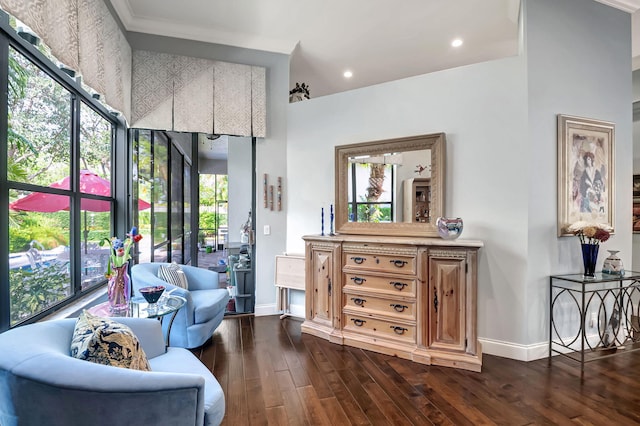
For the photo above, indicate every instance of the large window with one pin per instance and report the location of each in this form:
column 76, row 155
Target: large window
column 161, row 193
column 59, row 191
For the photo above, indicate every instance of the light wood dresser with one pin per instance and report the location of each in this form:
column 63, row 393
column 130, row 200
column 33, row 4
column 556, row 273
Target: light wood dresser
column 414, row 298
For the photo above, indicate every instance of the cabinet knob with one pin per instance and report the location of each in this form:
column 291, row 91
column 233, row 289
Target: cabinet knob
column 398, row 285
column 398, row 263
column 358, row 260
column 358, row 322
column 358, row 280
column 358, row 301
column 398, row 330
column 398, row 307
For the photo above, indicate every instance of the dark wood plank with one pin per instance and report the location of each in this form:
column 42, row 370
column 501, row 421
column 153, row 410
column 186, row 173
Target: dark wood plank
column 291, row 400
column 271, row 373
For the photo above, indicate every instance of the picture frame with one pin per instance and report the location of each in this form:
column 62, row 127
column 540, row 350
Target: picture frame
column 636, row 216
column 586, row 170
column 636, row 188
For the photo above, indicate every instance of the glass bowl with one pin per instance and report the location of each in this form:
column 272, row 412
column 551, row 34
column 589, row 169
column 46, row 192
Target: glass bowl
column 152, row 294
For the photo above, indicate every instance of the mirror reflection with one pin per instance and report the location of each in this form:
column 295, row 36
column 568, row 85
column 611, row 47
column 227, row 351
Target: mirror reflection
column 390, row 187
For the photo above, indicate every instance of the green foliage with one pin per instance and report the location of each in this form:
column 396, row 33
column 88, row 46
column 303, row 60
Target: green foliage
column 34, row 291
column 207, row 220
column 51, row 231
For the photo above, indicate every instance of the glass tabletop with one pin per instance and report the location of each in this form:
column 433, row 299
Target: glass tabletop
column 600, row 277
column 166, row 305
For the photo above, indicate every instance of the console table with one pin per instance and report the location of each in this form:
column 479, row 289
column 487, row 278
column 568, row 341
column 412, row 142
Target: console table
column 594, row 318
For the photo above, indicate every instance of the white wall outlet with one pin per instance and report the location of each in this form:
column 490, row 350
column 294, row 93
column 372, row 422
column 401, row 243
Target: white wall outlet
column 267, row 229
column 593, row 320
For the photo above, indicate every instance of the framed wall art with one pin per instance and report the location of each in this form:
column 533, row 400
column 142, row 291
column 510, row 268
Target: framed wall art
column 636, row 216
column 586, row 170
column 636, row 188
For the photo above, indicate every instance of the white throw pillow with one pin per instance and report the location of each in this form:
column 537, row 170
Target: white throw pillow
column 173, row 274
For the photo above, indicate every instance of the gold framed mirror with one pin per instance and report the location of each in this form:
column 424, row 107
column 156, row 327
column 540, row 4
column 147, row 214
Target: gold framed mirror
column 391, row 187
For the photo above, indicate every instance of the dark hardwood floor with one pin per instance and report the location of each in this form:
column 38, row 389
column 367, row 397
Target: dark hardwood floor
column 273, row 374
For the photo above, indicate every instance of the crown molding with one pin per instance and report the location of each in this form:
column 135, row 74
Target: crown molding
column 142, row 24
column 625, row 5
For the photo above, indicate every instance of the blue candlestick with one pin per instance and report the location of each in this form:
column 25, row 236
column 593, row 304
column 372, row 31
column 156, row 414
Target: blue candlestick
column 322, row 216
column 331, row 222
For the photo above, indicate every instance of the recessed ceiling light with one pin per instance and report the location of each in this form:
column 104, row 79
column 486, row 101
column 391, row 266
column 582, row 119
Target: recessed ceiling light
column 348, row 74
column 457, row 42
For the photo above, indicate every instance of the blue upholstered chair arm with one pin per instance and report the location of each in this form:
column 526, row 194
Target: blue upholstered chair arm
column 40, row 383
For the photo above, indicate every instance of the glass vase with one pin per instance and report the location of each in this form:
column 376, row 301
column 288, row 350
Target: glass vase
column 119, row 289
column 589, row 258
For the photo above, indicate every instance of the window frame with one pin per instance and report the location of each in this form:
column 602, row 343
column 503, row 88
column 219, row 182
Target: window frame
column 10, row 39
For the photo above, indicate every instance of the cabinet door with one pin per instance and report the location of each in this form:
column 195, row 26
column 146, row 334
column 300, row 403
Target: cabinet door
column 447, row 281
column 322, row 286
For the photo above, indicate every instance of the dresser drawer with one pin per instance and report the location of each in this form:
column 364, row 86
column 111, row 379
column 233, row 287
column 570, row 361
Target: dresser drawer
column 391, row 285
column 367, row 304
column 380, row 328
column 404, row 263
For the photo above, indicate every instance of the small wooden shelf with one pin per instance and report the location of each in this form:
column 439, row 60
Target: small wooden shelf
column 417, row 200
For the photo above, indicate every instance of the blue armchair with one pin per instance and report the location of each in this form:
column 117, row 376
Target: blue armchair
column 41, row 383
column 201, row 315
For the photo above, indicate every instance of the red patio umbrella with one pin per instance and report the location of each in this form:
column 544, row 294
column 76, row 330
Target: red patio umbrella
column 90, row 183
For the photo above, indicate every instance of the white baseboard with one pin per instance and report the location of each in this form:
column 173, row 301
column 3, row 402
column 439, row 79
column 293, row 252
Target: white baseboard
column 530, row 352
column 270, row 309
column 515, row 351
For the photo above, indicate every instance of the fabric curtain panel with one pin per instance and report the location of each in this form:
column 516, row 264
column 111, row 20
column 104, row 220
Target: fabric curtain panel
column 193, row 94
column 259, row 101
column 180, row 93
column 56, row 22
column 152, row 90
column 84, row 36
column 232, row 99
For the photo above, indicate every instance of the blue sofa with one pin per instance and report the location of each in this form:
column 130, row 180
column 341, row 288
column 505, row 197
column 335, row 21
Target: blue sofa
column 202, row 314
column 41, row 384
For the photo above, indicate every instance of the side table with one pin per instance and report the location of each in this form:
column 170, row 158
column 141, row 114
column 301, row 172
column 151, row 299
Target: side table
column 138, row 309
column 594, row 318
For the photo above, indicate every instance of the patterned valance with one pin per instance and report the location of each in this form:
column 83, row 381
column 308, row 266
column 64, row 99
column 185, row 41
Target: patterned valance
column 186, row 94
column 153, row 90
column 84, row 36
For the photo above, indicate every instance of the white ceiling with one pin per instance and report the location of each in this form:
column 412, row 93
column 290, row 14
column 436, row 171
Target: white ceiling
column 378, row 40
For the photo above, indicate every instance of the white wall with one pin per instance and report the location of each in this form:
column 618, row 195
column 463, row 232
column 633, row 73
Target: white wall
column 482, row 110
column 587, row 46
column 499, row 119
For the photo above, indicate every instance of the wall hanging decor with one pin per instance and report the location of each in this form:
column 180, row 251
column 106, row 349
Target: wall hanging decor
column 279, row 193
column 585, row 172
column 264, row 190
column 271, row 197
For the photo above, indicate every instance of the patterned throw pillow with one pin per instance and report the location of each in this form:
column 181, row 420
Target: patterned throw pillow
column 105, row 341
column 173, row 274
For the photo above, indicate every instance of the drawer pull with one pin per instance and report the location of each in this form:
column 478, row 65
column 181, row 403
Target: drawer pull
column 399, row 263
column 358, row 280
column 358, row 301
column 398, row 285
column 398, row 330
column 358, row 322
column 358, row 260
column 398, row 307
